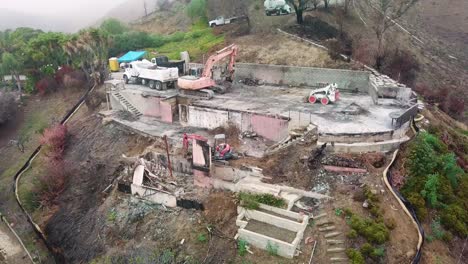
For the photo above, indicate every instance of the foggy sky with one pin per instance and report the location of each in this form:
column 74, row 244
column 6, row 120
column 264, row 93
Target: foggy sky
column 60, row 8
column 63, row 15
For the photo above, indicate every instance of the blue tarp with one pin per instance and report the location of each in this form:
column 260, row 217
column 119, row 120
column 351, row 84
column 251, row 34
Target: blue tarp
column 132, row 56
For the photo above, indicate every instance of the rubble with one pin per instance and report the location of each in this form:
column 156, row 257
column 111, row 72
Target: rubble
column 248, row 134
column 251, row 82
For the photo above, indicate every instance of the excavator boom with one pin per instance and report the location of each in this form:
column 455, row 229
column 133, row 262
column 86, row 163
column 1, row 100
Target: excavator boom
column 191, row 85
column 230, row 50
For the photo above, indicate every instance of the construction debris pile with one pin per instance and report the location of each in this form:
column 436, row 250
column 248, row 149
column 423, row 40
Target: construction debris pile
column 251, row 82
column 156, row 174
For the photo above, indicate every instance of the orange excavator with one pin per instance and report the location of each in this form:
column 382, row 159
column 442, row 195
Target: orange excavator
column 204, row 85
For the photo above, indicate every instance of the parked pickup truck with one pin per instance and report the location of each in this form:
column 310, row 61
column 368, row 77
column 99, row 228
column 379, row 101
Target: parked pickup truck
column 219, row 21
column 159, row 78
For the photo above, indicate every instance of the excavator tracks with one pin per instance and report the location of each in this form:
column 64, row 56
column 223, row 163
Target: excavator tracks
column 198, row 94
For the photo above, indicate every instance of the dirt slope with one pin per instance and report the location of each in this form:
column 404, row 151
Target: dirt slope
column 93, row 159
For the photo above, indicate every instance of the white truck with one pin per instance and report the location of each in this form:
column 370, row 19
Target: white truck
column 277, row 7
column 159, row 78
column 219, row 21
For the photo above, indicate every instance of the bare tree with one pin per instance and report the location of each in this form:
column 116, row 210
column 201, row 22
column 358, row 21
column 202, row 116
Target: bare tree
column 146, row 8
column 346, row 6
column 383, row 14
column 325, row 3
column 315, row 3
column 299, row 6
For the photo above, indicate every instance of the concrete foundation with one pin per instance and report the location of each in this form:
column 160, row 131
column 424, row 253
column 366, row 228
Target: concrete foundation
column 360, row 120
column 277, row 217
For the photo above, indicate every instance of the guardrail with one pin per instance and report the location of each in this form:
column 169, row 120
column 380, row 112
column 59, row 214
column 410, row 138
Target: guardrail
column 57, row 256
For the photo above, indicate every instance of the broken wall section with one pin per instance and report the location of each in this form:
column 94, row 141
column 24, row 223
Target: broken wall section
column 270, row 127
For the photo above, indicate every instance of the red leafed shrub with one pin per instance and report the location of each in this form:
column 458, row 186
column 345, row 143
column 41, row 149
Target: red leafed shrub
column 51, row 183
column 46, row 85
column 398, row 180
column 429, row 94
column 363, row 52
column 75, row 79
column 454, row 103
column 401, row 66
column 53, row 140
column 60, row 74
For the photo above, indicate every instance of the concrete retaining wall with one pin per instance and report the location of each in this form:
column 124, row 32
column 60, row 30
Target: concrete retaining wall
column 150, row 105
column 364, row 147
column 303, row 76
column 207, row 117
column 364, row 137
column 269, row 127
column 285, row 249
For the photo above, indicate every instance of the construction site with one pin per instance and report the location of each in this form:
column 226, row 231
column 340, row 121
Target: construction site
column 216, row 131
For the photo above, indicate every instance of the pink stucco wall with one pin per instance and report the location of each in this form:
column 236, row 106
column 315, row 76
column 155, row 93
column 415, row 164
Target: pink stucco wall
column 202, row 179
column 166, row 112
column 269, row 127
column 151, row 106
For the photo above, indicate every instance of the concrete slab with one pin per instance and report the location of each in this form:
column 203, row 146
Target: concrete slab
column 288, row 103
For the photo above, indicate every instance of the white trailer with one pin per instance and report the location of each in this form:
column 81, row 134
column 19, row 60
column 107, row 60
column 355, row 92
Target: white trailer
column 159, row 78
column 276, row 7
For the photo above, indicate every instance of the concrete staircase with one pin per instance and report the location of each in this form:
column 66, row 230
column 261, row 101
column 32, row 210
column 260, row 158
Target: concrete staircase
column 127, row 105
column 335, row 240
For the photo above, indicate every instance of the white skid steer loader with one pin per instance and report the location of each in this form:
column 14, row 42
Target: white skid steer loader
column 325, row 95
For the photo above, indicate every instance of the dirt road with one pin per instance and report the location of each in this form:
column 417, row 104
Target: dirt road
column 11, row 251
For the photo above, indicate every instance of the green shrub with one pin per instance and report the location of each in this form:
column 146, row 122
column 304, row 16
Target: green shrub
column 455, row 218
column 374, row 232
column 112, row 216
column 434, row 142
column 352, row 234
column 242, row 247
column 450, row 168
column 378, row 253
column 348, row 212
column 202, row 238
column 390, row 223
column 369, row 195
column 251, row 201
column 436, row 229
column 421, row 158
column 375, row 211
column 338, row 211
column 418, row 203
column 366, row 249
column 196, row 9
column 430, row 191
column 271, row 200
column 447, row 237
column 175, row 37
column 355, row 256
